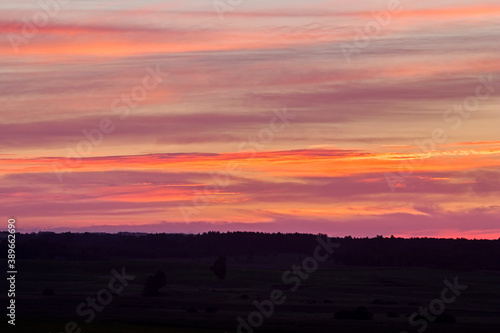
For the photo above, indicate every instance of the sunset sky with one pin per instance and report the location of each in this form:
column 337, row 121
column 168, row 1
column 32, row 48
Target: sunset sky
column 357, row 118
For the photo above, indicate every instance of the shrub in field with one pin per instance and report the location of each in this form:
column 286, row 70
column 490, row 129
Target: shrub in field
column 211, row 309
column 446, row 317
column 392, row 314
column 48, row 292
column 219, row 268
column 360, row 313
column 154, row 284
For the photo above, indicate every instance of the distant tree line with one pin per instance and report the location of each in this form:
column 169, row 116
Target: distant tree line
column 375, row 252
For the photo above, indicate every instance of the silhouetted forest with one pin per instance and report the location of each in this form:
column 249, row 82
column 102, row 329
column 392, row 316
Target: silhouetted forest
column 252, row 247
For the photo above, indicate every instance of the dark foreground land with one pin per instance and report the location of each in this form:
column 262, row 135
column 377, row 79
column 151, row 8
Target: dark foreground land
column 51, row 286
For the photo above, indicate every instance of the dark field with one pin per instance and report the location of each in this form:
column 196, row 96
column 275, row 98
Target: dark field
column 195, row 300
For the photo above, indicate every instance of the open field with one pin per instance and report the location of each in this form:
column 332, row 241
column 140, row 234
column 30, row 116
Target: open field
column 191, row 285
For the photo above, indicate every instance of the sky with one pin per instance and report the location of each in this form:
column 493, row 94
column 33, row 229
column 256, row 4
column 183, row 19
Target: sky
column 364, row 118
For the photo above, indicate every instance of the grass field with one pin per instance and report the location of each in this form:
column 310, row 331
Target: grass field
column 191, row 285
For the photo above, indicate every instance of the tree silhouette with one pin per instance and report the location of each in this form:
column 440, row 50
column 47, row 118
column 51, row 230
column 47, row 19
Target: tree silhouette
column 154, row 284
column 219, row 267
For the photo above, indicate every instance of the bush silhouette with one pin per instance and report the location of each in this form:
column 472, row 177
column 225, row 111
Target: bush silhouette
column 343, row 314
column 446, row 317
column 360, row 313
column 211, row 309
column 219, row 267
column 392, row 314
column 48, row 292
column 154, row 284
